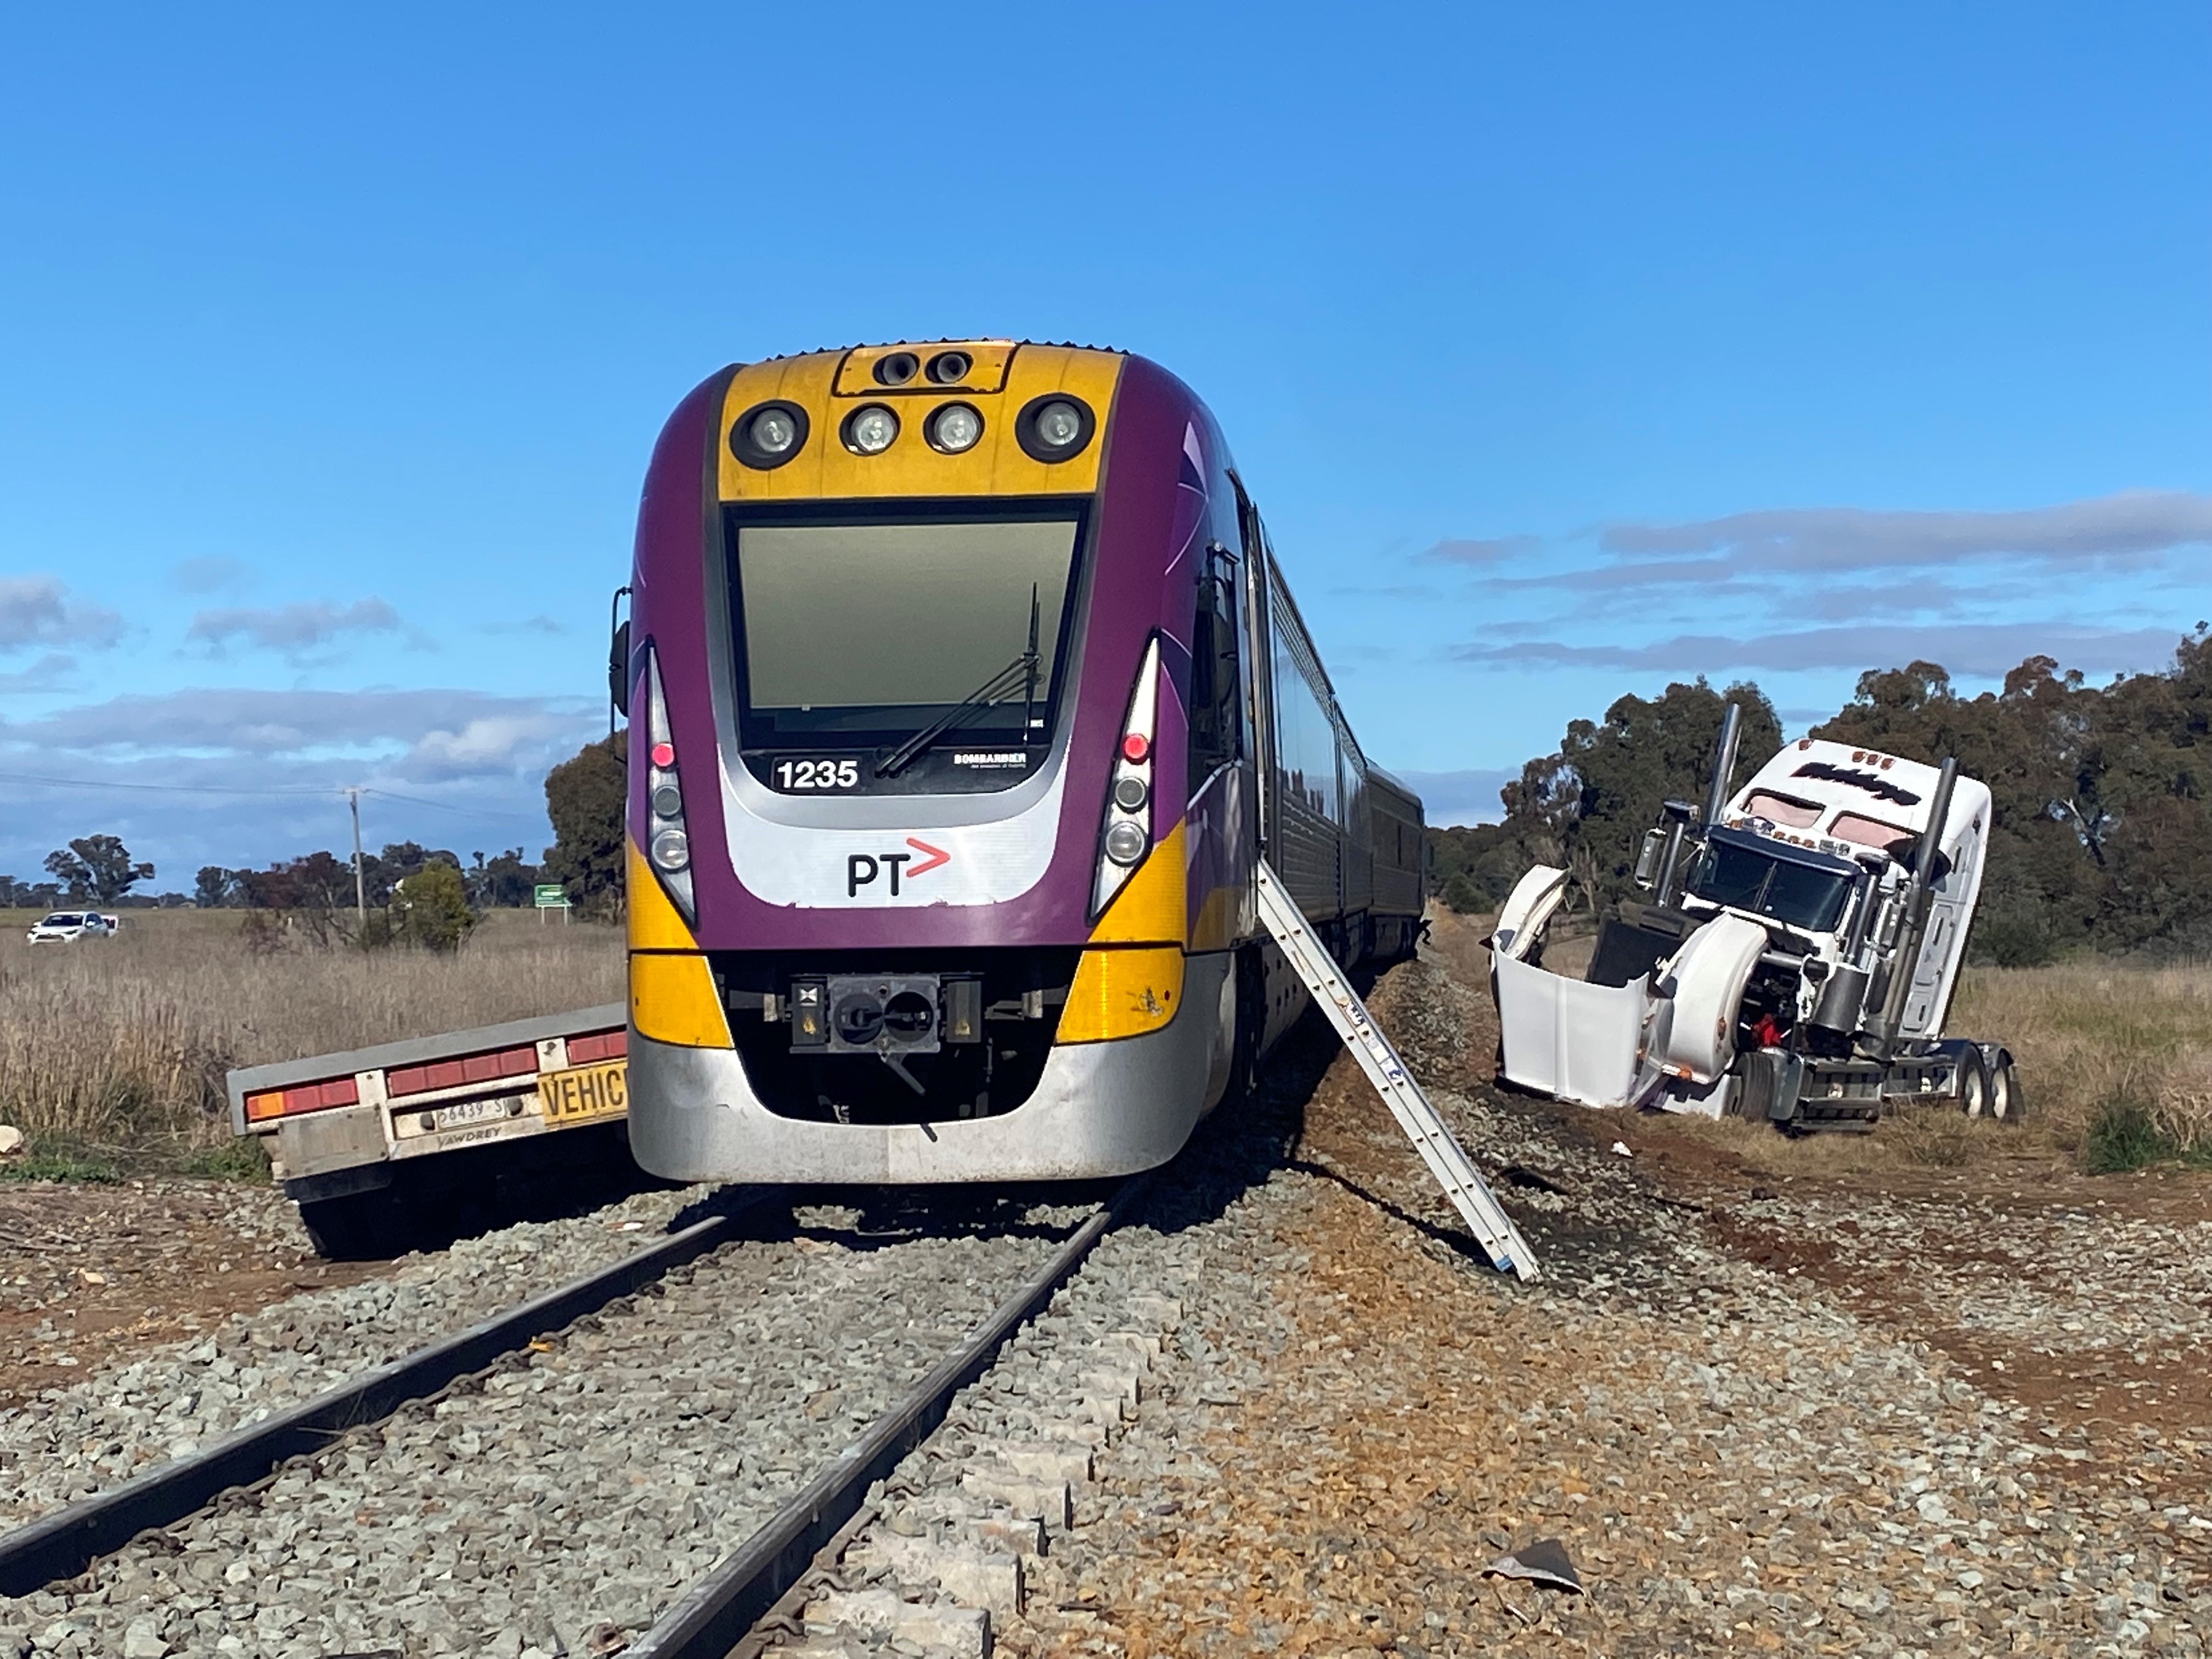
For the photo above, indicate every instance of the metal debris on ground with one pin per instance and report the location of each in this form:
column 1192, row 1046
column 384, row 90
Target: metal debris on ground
column 1544, row 1562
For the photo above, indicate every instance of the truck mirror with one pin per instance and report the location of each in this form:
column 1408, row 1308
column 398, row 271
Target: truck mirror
column 1647, row 858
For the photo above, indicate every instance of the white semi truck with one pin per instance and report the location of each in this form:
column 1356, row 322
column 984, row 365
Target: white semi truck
column 1795, row 962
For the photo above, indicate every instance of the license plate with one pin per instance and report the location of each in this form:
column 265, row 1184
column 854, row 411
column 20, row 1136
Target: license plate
column 470, row 1111
column 584, row 1093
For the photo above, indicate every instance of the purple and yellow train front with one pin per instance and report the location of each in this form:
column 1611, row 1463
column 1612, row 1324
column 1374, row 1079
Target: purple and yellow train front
column 944, row 770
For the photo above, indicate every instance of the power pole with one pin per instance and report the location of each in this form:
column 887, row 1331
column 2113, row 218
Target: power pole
column 360, row 888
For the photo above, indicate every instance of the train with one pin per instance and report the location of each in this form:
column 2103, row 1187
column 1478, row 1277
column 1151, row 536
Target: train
column 966, row 694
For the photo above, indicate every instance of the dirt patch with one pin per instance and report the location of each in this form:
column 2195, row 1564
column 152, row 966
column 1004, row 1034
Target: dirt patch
column 91, row 1275
column 2051, row 1289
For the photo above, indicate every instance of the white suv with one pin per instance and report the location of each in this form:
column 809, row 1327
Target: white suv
column 66, row 927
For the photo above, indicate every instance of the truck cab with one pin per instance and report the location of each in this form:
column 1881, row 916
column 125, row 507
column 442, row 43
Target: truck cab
column 1794, row 960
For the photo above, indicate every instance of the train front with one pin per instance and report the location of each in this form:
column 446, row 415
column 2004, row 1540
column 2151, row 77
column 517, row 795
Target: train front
column 908, row 884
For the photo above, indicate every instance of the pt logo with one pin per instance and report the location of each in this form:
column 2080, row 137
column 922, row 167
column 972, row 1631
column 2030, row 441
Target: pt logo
column 862, row 869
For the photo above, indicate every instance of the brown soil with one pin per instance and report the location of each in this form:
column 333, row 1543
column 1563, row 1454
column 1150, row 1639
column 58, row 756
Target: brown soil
column 1717, row 1166
column 116, row 1269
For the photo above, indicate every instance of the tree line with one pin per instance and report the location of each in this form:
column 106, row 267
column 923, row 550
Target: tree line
column 2102, row 809
column 584, row 801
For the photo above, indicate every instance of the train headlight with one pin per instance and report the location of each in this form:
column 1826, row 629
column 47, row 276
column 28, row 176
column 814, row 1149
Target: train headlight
column 773, row 431
column 955, row 429
column 1057, row 424
column 667, row 845
column 769, row 434
column 1126, row 841
column 1125, row 838
column 870, row 431
column 1054, row 428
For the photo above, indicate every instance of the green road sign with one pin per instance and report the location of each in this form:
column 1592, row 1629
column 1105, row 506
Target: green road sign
column 547, row 896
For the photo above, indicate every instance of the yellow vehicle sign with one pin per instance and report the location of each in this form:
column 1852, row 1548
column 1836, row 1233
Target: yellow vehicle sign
column 583, row 1093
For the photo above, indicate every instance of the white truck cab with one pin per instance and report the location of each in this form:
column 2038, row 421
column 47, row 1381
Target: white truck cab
column 1820, row 844
column 1796, row 961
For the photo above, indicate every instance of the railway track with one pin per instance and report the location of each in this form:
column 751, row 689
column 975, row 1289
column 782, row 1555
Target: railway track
column 643, row 1461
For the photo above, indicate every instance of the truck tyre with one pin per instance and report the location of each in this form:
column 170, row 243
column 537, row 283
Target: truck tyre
column 2006, row 1104
column 1973, row 1084
column 353, row 1228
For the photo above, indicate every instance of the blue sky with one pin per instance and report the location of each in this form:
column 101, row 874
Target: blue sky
column 1568, row 352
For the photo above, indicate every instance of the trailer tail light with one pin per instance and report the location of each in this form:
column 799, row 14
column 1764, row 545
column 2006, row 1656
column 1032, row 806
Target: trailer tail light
column 667, row 843
column 301, row 1097
column 1126, row 835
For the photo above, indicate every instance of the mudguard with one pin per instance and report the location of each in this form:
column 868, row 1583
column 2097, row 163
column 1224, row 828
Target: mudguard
column 1561, row 1037
column 1528, row 913
column 1704, row 983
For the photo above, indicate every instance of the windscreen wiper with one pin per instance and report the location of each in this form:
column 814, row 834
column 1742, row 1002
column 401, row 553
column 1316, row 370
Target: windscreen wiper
column 1021, row 672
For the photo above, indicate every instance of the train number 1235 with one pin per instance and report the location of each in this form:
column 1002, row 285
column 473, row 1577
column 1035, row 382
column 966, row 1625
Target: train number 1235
column 817, row 773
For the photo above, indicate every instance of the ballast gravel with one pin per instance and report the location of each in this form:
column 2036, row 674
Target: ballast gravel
column 69, row 1441
column 1351, row 1418
column 560, row 1505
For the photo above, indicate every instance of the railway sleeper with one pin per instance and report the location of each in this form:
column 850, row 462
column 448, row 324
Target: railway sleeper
column 963, row 1526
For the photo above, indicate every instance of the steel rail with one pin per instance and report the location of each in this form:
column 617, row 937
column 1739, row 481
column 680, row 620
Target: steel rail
column 63, row 1544
column 719, row 1610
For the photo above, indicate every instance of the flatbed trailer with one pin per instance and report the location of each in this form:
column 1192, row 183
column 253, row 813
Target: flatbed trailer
column 356, row 1137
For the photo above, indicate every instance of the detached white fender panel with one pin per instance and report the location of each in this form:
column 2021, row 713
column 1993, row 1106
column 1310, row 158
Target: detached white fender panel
column 1527, row 912
column 1566, row 1039
column 1706, row 983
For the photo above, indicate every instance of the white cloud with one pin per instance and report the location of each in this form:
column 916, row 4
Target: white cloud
column 237, row 776
column 49, row 673
column 293, row 629
column 1970, row 651
column 1497, row 549
column 2127, row 528
column 38, row 610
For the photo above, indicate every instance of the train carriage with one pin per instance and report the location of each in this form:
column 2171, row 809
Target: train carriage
column 966, row 694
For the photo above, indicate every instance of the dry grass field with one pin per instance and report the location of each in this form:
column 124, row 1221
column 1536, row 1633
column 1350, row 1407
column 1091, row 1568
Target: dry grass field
column 2114, row 1061
column 115, row 1052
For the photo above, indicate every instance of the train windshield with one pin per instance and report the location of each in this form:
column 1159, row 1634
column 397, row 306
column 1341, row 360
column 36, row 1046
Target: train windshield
column 1744, row 876
column 858, row 635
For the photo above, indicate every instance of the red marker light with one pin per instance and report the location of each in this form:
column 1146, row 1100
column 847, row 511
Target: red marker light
column 663, row 755
column 1135, row 747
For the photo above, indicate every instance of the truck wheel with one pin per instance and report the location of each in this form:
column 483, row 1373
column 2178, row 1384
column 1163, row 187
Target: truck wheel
column 1973, row 1085
column 355, row 1227
column 2006, row 1104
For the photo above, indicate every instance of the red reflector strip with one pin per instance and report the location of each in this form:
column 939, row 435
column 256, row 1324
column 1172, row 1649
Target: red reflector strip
column 470, row 1068
column 584, row 1050
column 305, row 1098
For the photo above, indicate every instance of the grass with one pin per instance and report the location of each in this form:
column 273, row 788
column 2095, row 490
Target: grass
column 2114, row 1058
column 112, row 1054
column 2116, row 1061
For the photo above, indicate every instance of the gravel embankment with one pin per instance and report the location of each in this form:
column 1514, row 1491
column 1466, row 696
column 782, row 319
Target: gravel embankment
column 562, row 1504
column 70, row 1441
column 1352, row 1417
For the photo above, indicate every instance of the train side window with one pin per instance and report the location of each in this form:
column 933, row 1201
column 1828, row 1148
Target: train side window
column 1216, row 722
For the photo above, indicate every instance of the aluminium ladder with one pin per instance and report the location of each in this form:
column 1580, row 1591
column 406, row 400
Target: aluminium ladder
column 1453, row 1170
